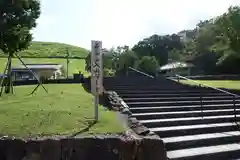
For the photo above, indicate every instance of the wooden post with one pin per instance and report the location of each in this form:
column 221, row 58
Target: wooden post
column 96, row 74
column 8, row 88
column 2, row 80
column 39, row 81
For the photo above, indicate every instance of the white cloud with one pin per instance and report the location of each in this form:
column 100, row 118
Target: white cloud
column 46, row 21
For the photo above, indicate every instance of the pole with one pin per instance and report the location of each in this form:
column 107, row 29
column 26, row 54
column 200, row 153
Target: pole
column 201, row 100
column 67, row 61
column 67, row 68
column 96, row 101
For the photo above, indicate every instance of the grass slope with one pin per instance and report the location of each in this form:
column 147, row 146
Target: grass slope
column 228, row 84
column 45, row 49
column 75, row 65
column 65, row 110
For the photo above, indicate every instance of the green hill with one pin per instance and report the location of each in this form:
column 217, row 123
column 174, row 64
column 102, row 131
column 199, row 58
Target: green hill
column 48, row 49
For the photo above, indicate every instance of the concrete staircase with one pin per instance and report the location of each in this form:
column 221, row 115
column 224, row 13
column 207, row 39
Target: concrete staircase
column 194, row 123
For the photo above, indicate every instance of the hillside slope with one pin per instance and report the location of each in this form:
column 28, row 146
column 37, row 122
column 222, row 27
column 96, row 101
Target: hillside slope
column 46, row 49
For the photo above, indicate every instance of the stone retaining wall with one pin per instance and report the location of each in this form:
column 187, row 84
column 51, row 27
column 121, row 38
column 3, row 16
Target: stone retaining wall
column 88, row 148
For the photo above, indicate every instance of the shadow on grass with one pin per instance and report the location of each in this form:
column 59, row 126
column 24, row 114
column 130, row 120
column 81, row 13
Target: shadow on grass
column 87, row 84
column 90, row 125
column 103, row 99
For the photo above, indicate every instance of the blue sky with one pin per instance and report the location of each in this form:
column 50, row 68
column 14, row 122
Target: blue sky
column 119, row 22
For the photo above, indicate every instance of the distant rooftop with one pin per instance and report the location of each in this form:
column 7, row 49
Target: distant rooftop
column 174, row 65
column 39, row 66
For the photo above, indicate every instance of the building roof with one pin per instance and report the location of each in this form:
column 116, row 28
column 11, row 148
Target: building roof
column 39, row 66
column 174, row 65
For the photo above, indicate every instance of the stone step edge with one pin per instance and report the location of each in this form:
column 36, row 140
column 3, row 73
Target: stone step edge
column 201, row 151
column 204, row 136
column 117, row 104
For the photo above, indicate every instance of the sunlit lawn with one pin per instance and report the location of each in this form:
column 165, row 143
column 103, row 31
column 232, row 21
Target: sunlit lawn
column 228, row 84
column 65, row 110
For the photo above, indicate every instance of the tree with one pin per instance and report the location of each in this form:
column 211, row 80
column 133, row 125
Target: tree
column 174, row 55
column 116, row 53
column 126, row 60
column 148, row 65
column 107, row 61
column 206, row 37
column 110, row 58
column 121, row 49
column 158, row 46
column 230, row 24
column 88, row 62
column 17, row 18
column 205, row 46
column 229, row 64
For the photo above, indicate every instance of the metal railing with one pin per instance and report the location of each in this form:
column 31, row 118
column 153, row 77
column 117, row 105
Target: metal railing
column 145, row 74
column 235, row 96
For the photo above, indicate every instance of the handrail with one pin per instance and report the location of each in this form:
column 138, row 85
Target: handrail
column 145, row 74
column 220, row 90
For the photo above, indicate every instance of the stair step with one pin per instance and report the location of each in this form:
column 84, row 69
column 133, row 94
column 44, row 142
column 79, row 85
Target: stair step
column 198, row 113
column 225, row 151
column 151, row 86
column 201, row 140
column 194, row 122
column 194, row 129
column 130, row 95
column 200, row 136
column 189, row 121
column 179, row 103
column 139, row 91
column 182, row 108
column 151, row 99
column 157, row 88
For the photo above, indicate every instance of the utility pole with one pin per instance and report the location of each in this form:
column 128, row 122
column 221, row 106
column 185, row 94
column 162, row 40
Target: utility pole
column 67, row 61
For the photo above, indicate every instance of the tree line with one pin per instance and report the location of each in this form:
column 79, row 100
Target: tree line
column 213, row 46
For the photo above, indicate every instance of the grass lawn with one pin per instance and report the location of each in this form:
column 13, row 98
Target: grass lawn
column 45, row 49
column 65, row 110
column 216, row 83
column 75, row 65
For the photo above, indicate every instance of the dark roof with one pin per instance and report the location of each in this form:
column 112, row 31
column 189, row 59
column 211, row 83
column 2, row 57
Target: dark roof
column 42, row 64
column 174, row 65
column 39, row 66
